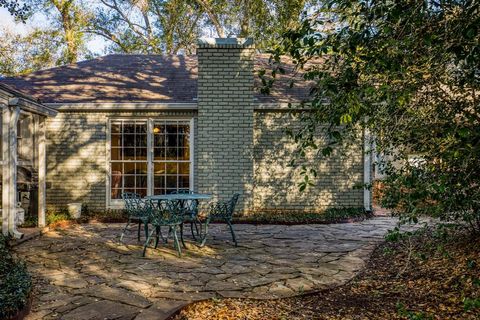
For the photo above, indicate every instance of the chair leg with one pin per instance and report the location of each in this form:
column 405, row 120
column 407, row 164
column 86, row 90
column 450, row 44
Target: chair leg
column 192, row 224
column 168, row 234
column 158, row 233
column 181, row 236
column 147, row 242
column 138, row 232
column 204, row 235
column 145, row 227
column 176, row 243
column 124, row 229
column 233, row 233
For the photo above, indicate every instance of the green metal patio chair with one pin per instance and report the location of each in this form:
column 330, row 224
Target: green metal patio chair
column 191, row 213
column 166, row 214
column 137, row 210
column 223, row 211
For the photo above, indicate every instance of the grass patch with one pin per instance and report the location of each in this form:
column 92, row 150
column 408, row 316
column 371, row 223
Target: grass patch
column 15, row 282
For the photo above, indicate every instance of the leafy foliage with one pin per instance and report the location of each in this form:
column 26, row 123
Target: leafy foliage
column 407, row 73
column 154, row 26
column 19, row 11
column 15, row 282
column 21, row 54
column 331, row 215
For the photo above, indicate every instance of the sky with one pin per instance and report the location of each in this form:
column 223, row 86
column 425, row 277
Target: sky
column 96, row 44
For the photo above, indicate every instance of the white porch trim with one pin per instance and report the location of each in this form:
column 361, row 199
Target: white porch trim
column 42, row 172
column 367, row 170
column 10, row 118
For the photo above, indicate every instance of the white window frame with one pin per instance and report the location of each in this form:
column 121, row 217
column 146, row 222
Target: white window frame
column 118, row 203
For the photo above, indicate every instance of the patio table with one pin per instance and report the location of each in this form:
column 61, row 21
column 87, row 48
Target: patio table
column 182, row 198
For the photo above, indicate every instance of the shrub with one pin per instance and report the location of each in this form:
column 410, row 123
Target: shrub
column 330, row 215
column 15, row 282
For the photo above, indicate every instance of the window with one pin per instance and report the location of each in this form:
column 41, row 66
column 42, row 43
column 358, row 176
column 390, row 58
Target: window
column 149, row 157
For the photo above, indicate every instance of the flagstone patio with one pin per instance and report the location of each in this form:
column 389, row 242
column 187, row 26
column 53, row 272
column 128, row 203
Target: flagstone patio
column 84, row 272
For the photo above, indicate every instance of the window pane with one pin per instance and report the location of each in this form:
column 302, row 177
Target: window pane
column 171, row 167
column 159, row 140
column 141, row 127
column 129, row 140
column 116, row 140
column 171, row 154
column 158, row 128
column 184, row 168
column 171, row 140
column 141, row 153
column 183, row 153
column 159, row 168
column 141, row 181
column 172, row 182
column 159, row 181
column 159, row 153
column 128, row 128
column 141, row 140
column 129, row 153
column 129, row 181
column 129, row 168
column 184, row 182
column 141, row 168
column 184, row 129
column 171, row 129
column 116, row 181
column 116, row 154
column 116, row 127
column 117, row 168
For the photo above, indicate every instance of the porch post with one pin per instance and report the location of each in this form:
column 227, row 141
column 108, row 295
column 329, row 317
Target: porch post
column 367, row 170
column 42, row 170
column 9, row 191
column 5, row 169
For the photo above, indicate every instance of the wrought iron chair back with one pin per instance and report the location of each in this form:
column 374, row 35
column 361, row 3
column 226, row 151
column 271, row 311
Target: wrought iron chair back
column 165, row 213
column 224, row 209
column 221, row 210
column 137, row 209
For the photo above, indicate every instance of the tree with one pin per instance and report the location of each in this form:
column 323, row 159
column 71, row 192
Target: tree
column 152, row 26
column 70, row 16
column 159, row 26
column 22, row 54
column 407, row 71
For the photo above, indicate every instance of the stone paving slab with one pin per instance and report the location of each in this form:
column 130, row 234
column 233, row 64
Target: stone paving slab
column 85, row 272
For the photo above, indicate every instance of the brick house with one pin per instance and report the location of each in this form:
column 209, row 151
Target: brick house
column 153, row 124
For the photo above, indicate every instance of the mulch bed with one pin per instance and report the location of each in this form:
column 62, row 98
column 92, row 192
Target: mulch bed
column 422, row 278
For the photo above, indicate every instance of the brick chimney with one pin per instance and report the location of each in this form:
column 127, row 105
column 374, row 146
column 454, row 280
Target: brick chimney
column 225, row 119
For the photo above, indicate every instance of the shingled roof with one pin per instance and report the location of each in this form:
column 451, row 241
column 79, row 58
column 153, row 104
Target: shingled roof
column 136, row 78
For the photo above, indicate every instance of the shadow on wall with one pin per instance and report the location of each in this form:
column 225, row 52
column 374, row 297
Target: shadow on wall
column 76, row 156
column 276, row 183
